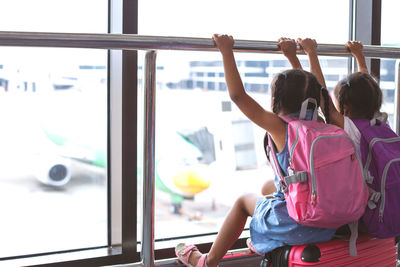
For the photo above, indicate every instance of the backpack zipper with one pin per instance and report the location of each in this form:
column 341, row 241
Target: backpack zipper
column 313, row 179
column 385, row 170
column 297, row 139
column 372, row 143
column 383, row 188
column 294, row 143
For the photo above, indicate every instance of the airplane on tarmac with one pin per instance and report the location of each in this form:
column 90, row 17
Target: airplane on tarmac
column 182, row 162
column 60, row 125
column 182, row 175
column 80, row 134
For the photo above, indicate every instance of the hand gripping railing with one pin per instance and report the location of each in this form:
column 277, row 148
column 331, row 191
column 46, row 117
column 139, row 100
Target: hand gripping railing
column 140, row 42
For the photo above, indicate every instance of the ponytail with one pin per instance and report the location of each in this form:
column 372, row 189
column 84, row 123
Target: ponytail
column 280, row 82
column 325, row 95
column 342, row 91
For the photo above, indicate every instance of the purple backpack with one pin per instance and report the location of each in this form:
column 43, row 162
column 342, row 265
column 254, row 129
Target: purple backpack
column 380, row 154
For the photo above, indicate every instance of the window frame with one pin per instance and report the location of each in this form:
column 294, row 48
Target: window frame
column 366, row 27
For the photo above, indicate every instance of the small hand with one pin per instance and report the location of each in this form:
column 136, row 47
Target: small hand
column 355, row 48
column 223, row 42
column 287, row 46
column 308, row 45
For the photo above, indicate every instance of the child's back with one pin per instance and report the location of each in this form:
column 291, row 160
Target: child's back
column 271, row 226
column 358, row 98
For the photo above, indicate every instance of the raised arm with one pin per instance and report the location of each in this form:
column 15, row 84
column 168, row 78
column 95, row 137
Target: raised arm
column 310, row 48
column 263, row 118
column 356, row 49
column 288, row 47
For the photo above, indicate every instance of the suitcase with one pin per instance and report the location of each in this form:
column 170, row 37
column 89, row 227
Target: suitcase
column 370, row 252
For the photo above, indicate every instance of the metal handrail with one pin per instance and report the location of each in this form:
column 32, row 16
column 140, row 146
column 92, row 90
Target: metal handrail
column 143, row 42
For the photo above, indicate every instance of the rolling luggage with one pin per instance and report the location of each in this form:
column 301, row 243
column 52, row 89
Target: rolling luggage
column 371, row 252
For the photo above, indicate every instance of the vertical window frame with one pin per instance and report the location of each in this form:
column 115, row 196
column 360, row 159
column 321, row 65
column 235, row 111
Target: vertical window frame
column 367, row 28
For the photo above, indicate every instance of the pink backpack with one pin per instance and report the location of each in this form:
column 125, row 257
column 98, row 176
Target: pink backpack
column 325, row 186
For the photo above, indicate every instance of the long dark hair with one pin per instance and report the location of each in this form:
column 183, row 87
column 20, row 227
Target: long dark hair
column 361, row 93
column 291, row 87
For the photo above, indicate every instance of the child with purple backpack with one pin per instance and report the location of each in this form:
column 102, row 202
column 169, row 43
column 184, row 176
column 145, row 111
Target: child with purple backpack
column 358, row 100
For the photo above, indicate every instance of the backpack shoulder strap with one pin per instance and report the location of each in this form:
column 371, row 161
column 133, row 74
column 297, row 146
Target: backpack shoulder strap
column 353, row 226
column 267, row 149
column 361, row 124
column 267, row 138
column 270, row 152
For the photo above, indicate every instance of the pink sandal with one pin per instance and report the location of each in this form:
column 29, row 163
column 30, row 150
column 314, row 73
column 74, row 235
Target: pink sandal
column 250, row 246
column 183, row 253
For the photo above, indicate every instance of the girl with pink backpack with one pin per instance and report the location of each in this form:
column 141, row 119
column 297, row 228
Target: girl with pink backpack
column 271, row 225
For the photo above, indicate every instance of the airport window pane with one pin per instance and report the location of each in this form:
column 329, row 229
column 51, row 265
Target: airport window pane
column 53, row 138
column 388, row 86
column 327, row 21
column 88, row 16
column 390, row 23
column 207, row 152
column 389, row 31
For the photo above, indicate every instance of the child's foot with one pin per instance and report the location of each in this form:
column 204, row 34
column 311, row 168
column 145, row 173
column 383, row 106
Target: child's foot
column 190, row 255
column 250, row 246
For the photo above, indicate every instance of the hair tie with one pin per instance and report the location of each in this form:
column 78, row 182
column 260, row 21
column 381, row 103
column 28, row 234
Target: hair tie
column 348, row 84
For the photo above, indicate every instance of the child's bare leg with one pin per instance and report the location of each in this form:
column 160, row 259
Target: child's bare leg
column 268, row 188
column 232, row 227
column 230, row 230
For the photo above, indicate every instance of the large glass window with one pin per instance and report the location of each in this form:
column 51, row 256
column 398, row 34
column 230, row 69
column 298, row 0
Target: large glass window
column 53, row 138
column 389, row 37
column 207, row 152
column 390, row 23
column 388, row 86
column 327, row 21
